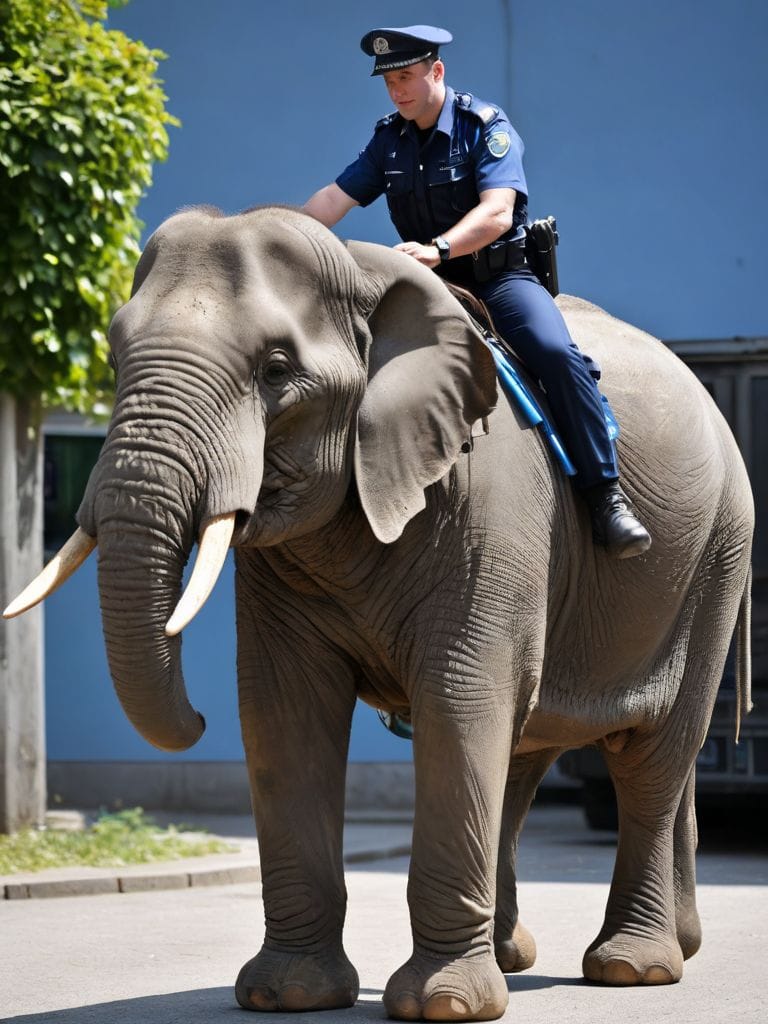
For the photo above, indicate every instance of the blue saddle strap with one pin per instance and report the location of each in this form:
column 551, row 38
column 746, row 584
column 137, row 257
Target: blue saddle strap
column 518, row 392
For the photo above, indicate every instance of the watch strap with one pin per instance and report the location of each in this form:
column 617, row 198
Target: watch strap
column 443, row 247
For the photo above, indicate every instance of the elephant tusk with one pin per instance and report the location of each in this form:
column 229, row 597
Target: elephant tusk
column 214, row 544
column 59, row 569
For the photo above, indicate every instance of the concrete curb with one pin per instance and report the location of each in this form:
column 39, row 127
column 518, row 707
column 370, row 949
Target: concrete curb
column 131, row 883
column 180, row 878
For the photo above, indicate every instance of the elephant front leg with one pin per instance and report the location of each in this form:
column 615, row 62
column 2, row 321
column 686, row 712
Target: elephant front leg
column 296, row 729
column 461, row 757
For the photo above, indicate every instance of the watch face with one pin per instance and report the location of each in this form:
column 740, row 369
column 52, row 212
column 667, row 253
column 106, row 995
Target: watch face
column 443, row 248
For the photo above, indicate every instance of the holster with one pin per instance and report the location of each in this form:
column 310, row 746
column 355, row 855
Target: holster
column 541, row 238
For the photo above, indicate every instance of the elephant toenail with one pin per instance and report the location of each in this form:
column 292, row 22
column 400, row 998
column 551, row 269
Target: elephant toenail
column 446, row 1007
column 262, row 998
column 405, row 1007
column 458, row 1007
column 293, row 997
column 658, row 975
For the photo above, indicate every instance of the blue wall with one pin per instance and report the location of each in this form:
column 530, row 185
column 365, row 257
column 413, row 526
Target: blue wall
column 645, row 134
column 85, row 721
column 644, row 127
column 651, row 140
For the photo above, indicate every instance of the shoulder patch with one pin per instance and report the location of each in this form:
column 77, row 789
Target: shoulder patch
column 486, row 112
column 384, row 121
column 498, row 143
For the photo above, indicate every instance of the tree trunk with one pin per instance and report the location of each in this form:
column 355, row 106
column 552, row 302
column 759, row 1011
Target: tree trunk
column 22, row 702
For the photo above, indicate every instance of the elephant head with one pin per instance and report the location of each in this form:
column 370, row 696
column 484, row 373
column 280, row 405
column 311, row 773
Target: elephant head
column 261, row 366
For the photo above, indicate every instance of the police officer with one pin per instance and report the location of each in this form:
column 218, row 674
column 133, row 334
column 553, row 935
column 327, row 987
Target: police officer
column 451, row 168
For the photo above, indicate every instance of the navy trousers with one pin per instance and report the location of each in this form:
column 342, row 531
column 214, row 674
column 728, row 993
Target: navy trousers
column 527, row 318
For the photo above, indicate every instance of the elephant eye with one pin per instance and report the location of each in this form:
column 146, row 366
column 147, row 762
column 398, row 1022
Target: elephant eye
column 276, row 373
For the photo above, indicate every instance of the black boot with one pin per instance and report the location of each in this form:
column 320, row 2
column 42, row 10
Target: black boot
column 614, row 523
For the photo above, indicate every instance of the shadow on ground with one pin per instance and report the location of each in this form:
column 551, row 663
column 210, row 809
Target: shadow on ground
column 217, row 1006
column 197, row 1006
column 535, row 982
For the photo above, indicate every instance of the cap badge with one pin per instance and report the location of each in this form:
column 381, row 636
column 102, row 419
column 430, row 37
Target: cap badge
column 380, row 45
column 498, row 144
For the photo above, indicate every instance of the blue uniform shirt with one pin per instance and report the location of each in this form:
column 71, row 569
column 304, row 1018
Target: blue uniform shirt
column 430, row 184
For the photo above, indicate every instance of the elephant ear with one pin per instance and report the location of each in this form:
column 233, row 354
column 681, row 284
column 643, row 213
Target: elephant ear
column 430, row 377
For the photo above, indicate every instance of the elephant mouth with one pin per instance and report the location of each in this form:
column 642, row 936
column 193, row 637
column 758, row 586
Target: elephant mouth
column 285, row 490
column 266, row 525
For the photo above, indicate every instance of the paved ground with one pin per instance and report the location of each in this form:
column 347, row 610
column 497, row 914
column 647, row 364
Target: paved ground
column 165, row 956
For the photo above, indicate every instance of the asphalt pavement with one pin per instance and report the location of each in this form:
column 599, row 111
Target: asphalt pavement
column 169, row 953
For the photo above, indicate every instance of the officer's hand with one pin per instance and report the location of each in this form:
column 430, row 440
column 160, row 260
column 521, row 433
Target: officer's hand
column 426, row 254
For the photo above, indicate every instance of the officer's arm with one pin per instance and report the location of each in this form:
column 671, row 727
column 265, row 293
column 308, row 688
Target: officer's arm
column 329, row 205
column 480, row 226
column 484, row 223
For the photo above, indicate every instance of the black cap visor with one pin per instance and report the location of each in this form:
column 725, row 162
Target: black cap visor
column 393, row 61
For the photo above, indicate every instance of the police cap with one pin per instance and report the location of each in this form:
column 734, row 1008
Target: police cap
column 398, row 47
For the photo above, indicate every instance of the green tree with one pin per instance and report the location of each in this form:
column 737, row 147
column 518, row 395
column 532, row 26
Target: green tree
column 82, row 120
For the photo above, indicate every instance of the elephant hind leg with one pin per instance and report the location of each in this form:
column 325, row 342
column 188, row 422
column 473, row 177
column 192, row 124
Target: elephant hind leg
column 651, row 923
column 638, row 944
column 686, row 917
column 685, row 842
column 514, row 946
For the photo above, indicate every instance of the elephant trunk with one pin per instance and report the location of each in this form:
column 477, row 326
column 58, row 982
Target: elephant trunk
column 164, row 475
column 139, row 586
column 145, row 519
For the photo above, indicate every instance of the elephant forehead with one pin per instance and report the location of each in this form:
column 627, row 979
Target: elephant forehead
column 276, row 310
column 276, row 249
column 293, row 270
column 257, row 275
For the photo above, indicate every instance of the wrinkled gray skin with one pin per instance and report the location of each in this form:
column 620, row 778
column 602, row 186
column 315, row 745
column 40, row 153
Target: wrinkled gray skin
column 324, row 393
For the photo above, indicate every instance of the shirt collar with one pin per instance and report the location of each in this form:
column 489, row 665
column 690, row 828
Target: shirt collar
column 445, row 120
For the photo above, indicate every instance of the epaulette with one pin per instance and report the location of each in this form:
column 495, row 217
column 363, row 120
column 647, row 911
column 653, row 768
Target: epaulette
column 384, row 121
column 486, row 112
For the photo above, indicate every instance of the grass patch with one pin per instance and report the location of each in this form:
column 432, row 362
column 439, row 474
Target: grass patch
column 114, row 840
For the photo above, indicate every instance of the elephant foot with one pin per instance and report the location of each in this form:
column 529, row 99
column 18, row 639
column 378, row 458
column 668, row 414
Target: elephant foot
column 688, row 931
column 625, row 959
column 274, row 981
column 462, row 988
column 518, row 953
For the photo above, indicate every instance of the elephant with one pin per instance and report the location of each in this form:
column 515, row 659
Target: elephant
column 403, row 536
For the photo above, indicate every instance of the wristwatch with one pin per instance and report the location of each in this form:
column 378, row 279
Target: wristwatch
column 443, row 247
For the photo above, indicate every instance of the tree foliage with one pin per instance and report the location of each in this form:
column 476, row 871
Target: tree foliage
column 82, row 119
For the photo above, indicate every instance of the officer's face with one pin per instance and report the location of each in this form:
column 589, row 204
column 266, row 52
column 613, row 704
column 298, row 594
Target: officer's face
column 417, row 91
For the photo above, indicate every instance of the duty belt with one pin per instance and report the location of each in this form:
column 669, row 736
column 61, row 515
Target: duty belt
column 503, row 254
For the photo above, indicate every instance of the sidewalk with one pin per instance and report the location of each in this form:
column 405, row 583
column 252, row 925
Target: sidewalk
column 367, row 837
column 170, row 956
